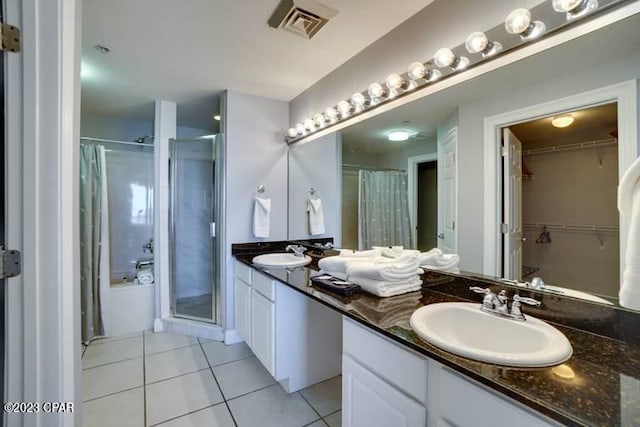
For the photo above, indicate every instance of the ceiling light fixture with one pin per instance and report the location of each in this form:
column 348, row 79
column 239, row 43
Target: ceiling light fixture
column 446, row 62
column 398, row 135
column 562, row 121
column 519, row 22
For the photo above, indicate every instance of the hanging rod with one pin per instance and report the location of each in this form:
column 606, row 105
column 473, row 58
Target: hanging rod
column 137, row 144
column 574, row 227
column 368, row 168
column 569, row 147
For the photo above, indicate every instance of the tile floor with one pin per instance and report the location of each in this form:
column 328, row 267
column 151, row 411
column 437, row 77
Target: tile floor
column 170, row 380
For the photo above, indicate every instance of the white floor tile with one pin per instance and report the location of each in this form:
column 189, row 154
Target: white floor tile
column 113, row 351
column 271, row 407
column 217, row 353
column 215, row 416
column 176, row 362
column 334, row 420
column 182, row 395
column 124, row 409
column 325, row 397
column 242, row 376
column 116, row 338
column 318, row 423
column 111, row 378
column 155, row 343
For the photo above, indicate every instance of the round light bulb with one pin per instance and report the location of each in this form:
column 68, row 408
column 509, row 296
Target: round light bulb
column 476, row 42
column 416, row 70
column 358, row 99
column 444, row 57
column 319, row 120
column 566, row 5
column 344, row 108
column 309, row 125
column 394, row 81
column 300, row 128
column 398, row 135
column 518, row 21
column 331, row 113
column 375, row 90
column 432, row 75
column 292, row 132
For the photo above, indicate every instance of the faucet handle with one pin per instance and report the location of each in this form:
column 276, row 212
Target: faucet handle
column 479, row 290
column 526, row 300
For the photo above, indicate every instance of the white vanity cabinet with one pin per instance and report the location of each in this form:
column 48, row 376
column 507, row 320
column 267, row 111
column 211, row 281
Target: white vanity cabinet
column 384, row 385
column 298, row 340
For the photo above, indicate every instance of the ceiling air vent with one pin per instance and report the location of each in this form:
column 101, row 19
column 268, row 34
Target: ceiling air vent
column 303, row 17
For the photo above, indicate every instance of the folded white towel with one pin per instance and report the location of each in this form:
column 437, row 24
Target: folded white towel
column 396, row 251
column 385, row 288
column 145, row 277
column 316, row 217
column 436, row 260
column 340, row 263
column 371, row 253
column 261, row 217
column 629, row 206
column 397, row 270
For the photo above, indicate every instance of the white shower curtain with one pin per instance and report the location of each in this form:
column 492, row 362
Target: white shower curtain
column 383, row 209
column 94, row 243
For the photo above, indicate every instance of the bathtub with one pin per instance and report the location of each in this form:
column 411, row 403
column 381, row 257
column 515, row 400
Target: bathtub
column 132, row 307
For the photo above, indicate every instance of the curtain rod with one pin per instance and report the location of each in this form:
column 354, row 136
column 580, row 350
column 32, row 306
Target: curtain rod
column 137, row 144
column 347, row 165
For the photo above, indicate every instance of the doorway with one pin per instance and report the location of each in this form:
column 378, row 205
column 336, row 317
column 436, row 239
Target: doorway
column 560, row 178
column 427, row 206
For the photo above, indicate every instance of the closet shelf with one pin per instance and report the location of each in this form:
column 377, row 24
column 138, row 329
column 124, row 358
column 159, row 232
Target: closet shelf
column 570, row 147
column 574, row 227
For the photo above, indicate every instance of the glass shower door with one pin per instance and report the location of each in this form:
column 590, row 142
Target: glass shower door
column 194, row 272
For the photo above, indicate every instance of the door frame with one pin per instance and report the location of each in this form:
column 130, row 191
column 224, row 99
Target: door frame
column 412, row 184
column 624, row 93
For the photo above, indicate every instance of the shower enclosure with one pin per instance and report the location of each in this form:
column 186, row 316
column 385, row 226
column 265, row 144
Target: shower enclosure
column 195, row 180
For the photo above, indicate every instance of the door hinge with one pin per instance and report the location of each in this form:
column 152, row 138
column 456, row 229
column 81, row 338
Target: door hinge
column 504, row 151
column 10, row 263
column 504, row 228
column 9, row 38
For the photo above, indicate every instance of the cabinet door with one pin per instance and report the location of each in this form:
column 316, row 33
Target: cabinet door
column 263, row 319
column 243, row 309
column 369, row 401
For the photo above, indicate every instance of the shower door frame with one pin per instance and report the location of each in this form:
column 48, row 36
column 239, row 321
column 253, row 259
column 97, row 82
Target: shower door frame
column 217, row 201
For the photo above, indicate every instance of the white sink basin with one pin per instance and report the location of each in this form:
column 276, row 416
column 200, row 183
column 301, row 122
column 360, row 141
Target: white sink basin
column 462, row 329
column 281, row 260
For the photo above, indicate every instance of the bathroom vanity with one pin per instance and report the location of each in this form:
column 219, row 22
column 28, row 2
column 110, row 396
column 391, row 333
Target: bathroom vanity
column 392, row 377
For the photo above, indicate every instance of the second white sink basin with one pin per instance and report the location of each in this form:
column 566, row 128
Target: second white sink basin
column 281, row 260
column 462, row 329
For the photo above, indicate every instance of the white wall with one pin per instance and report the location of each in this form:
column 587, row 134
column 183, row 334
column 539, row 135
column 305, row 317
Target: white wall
column 315, row 165
column 114, row 128
column 255, row 154
column 444, row 23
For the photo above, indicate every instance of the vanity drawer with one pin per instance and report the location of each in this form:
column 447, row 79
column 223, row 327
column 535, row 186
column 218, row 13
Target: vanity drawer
column 404, row 369
column 264, row 285
column 242, row 271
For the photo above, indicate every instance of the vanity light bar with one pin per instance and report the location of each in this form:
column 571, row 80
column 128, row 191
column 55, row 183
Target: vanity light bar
column 521, row 26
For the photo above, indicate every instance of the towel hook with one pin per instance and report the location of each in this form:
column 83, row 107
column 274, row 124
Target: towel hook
column 261, row 189
column 312, row 191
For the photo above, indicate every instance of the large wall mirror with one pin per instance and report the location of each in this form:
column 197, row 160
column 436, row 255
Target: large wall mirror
column 555, row 193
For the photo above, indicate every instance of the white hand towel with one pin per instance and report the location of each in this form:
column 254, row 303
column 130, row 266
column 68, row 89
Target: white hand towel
column 316, row 217
column 339, row 263
column 371, row 253
column 385, row 288
column 436, row 260
column 261, row 217
column 629, row 206
column 395, row 251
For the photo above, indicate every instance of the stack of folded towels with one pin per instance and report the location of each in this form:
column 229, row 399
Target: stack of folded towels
column 386, row 272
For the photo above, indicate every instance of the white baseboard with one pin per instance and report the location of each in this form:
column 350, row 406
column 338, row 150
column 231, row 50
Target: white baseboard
column 190, row 327
column 232, row 337
column 158, row 326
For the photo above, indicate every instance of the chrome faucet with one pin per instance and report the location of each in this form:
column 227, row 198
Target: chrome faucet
column 499, row 304
column 296, row 249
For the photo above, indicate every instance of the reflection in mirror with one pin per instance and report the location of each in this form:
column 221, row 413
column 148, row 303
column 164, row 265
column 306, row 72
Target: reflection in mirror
column 560, row 179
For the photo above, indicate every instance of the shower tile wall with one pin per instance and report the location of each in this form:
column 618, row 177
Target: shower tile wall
column 194, row 256
column 130, row 189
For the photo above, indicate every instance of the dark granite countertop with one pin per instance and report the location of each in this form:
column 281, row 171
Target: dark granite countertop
column 605, row 389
